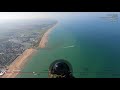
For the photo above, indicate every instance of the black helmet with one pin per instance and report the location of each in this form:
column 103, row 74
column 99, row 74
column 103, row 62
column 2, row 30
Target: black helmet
column 60, row 68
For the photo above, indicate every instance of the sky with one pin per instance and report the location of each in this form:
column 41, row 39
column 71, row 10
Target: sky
column 30, row 15
column 52, row 15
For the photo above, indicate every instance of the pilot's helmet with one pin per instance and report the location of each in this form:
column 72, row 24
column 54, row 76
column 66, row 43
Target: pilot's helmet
column 60, row 68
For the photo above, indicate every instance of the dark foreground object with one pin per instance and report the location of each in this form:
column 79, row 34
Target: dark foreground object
column 60, row 69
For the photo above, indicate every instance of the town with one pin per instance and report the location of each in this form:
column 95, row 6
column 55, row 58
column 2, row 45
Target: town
column 16, row 41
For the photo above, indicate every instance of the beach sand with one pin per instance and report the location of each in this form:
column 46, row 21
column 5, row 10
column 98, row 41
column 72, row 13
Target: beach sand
column 44, row 39
column 16, row 66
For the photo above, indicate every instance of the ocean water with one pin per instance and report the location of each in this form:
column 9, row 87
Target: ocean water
column 91, row 44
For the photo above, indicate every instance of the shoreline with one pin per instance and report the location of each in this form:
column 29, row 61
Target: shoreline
column 44, row 39
column 16, row 66
column 18, row 63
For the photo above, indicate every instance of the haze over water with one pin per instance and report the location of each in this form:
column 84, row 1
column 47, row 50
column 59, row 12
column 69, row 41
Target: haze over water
column 90, row 43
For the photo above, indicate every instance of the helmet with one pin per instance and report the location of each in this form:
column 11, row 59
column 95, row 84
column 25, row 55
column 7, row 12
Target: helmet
column 60, row 68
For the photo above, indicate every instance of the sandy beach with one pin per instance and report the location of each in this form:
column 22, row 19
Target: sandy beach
column 44, row 39
column 15, row 67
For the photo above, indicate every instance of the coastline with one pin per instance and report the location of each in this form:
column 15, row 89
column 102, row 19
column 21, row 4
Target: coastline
column 44, row 39
column 20, row 61
column 16, row 66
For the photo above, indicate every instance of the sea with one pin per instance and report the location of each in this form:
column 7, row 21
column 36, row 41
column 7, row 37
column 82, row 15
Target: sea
column 89, row 41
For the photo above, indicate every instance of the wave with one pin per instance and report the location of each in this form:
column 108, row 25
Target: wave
column 69, row 46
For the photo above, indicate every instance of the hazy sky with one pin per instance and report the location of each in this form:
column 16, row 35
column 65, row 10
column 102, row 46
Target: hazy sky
column 30, row 15
column 55, row 15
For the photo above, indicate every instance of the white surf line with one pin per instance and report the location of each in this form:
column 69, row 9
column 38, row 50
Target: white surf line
column 69, row 46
